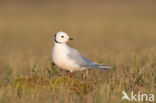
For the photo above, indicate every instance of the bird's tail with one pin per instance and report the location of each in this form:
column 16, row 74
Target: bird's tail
column 100, row 66
column 104, row 67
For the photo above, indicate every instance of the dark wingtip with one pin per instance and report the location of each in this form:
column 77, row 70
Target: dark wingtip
column 105, row 69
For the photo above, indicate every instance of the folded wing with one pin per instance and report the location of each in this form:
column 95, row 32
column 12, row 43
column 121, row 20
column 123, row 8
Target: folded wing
column 82, row 61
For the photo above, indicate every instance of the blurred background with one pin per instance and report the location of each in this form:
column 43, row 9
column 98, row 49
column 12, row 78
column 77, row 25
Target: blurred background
column 109, row 31
column 27, row 27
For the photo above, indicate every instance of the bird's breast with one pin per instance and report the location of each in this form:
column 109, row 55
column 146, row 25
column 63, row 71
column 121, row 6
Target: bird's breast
column 59, row 54
column 61, row 59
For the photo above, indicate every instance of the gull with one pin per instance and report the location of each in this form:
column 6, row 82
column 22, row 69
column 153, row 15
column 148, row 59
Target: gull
column 70, row 59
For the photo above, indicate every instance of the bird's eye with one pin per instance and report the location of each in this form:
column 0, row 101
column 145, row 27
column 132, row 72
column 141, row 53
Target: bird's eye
column 62, row 36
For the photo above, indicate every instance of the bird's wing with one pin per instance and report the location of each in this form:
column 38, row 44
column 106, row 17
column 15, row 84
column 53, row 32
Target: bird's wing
column 78, row 58
column 82, row 61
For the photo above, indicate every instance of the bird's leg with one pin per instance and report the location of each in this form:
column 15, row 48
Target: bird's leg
column 70, row 74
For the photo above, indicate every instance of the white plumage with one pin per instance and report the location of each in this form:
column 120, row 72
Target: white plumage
column 70, row 59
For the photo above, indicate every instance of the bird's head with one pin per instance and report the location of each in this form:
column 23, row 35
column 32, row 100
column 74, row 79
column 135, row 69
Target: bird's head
column 61, row 37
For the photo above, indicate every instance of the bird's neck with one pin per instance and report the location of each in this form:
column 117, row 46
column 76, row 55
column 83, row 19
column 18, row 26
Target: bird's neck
column 59, row 44
column 60, row 47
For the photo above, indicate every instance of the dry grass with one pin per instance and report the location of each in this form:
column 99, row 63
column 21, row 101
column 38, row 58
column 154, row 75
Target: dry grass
column 118, row 33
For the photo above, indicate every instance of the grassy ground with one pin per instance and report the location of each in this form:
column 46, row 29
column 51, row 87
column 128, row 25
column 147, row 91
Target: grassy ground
column 122, row 34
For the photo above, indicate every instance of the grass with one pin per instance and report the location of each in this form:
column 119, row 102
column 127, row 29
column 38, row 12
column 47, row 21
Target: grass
column 121, row 34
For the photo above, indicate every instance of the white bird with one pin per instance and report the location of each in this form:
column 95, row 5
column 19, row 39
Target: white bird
column 70, row 59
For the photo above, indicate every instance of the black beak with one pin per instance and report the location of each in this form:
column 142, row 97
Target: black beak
column 70, row 38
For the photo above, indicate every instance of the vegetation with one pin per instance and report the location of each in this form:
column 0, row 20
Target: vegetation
column 121, row 34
